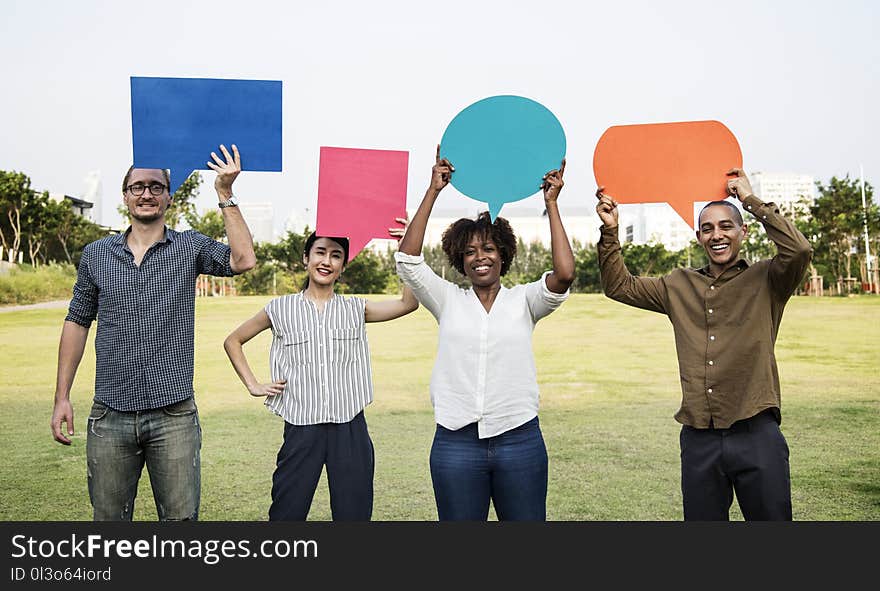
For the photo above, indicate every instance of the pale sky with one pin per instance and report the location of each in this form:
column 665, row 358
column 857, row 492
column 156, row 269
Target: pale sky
column 798, row 83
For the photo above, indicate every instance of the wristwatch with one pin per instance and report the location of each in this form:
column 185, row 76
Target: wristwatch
column 231, row 202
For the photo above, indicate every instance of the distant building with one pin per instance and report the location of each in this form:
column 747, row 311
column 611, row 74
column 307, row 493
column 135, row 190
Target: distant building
column 94, row 193
column 80, row 207
column 639, row 223
column 260, row 218
column 297, row 222
column 643, row 223
column 783, row 189
column 658, row 222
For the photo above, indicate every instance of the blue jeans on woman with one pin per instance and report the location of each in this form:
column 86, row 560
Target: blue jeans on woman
column 168, row 440
column 509, row 469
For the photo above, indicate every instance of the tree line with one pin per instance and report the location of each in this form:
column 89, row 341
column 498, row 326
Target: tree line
column 38, row 230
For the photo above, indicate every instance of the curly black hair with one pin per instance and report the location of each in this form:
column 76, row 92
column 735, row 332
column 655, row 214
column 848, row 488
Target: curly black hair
column 459, row 233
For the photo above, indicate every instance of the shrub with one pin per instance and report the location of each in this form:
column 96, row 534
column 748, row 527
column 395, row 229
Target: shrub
column 25, row 284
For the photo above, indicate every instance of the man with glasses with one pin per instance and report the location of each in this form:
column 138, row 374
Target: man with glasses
column 141, row 286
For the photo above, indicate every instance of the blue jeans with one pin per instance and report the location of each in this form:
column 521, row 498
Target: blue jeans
column 167, row 439
column 509, row 469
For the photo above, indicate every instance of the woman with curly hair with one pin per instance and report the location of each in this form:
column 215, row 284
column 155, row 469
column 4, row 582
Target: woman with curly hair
column 487, row 444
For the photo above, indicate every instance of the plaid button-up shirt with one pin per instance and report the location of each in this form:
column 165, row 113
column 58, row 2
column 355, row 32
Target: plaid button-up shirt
column 146, row 315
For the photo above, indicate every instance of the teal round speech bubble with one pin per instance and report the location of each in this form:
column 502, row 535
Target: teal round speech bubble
column 501, row 147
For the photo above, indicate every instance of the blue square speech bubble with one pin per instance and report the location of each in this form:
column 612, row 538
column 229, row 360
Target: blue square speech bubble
column 177, row 122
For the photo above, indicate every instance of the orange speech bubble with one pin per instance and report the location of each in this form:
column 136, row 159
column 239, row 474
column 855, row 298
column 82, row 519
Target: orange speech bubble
column 674, row 163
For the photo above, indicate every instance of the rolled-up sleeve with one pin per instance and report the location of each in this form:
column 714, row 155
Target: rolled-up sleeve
column 431, row 291
column 541, row 300
column 84, row 303
column 213, row 257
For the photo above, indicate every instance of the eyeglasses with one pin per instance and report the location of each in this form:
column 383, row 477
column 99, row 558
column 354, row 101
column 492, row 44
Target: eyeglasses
column 137, row 189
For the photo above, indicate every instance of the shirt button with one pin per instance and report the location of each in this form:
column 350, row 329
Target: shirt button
column 711, row 362
column 711, row 287
column 712, row 337
column 711, row 310
column 709, row 390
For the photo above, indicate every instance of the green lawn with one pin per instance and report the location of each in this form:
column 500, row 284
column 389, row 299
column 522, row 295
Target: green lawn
column 609, row 388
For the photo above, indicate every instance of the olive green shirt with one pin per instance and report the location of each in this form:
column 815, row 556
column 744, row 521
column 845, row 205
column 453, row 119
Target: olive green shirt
column 725, row 327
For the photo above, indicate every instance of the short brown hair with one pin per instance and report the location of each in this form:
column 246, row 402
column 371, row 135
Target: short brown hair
column 459, row 233
column 165, row 172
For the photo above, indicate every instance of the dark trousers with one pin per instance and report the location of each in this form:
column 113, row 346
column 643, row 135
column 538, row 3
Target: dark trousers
column 347, row 451
column 750, row 458
column 509, row 469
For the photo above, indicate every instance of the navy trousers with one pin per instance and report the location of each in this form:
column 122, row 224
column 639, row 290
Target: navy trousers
column 347, row 451
column 749, row 458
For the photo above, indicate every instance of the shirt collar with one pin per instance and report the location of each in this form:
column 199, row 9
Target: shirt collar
column 302, row 295
column 119, row 239
column 741, row 264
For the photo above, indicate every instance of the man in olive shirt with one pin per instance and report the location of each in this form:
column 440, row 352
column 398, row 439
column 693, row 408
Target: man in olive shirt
column 725, row 317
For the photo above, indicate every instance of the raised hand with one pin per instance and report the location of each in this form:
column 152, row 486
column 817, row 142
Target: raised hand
column 739, row 186
column 227, row 169
column 441, row 173
column 552, row 183
column 399, row 232
column 606, row 208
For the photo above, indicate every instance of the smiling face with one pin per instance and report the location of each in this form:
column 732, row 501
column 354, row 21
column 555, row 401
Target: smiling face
column 721, row 233
column 146, row 207
column 480, row 249
column 324, row 262
column 482, row 261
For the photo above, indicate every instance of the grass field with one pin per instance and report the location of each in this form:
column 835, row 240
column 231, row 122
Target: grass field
column 609, row 387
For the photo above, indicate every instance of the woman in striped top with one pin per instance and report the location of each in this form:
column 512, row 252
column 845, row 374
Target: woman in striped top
column 321, row 382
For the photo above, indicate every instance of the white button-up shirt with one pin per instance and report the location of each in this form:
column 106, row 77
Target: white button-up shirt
column 485, row 369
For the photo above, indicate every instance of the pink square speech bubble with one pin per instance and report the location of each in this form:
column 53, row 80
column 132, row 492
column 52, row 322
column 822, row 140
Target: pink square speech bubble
column 360, row 192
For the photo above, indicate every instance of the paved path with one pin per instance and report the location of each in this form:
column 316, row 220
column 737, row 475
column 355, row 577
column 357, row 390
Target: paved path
column 52, row 304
